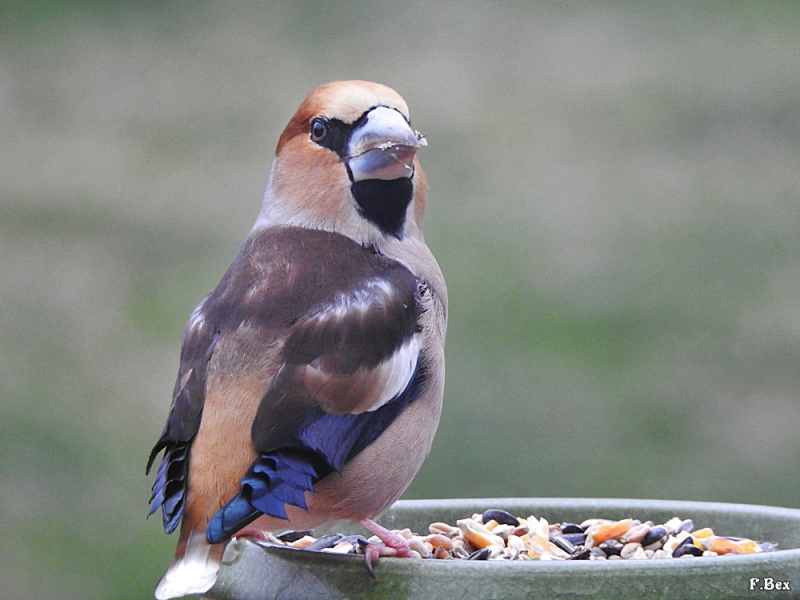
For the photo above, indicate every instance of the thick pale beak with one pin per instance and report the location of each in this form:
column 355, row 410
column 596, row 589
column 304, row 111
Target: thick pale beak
column 383, row 147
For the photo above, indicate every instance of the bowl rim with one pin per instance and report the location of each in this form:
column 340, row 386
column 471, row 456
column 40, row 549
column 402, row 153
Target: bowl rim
column 605, row 503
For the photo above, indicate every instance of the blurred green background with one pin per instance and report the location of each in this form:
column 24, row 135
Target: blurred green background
column 615, row 202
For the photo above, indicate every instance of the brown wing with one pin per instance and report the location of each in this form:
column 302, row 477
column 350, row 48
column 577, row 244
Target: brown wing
column 347, row 321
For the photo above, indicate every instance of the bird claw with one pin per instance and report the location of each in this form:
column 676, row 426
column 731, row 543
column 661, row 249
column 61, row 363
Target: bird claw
column 371, row 554
column 374, row 551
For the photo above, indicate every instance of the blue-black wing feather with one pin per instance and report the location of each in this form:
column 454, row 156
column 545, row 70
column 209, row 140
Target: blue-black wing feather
column 183, row 421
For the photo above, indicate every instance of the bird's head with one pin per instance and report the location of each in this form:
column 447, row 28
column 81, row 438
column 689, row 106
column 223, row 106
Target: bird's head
column 346, row 162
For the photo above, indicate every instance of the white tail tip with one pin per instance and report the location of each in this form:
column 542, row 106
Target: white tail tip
column 194, row 573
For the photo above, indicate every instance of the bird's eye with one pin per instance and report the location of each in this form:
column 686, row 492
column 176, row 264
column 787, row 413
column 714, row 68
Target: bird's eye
column 319, row 128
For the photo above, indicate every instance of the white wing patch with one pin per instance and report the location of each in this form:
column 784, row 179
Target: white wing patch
column 364, row 390
column 398, row 371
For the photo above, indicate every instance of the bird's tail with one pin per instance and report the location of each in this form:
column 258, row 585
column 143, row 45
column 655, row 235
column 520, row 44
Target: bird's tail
column 192, row 572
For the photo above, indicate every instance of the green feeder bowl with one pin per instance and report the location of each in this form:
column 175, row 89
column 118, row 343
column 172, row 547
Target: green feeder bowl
column 251, row 571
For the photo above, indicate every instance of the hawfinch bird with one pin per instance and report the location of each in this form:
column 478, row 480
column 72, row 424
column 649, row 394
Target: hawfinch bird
column 311, row 379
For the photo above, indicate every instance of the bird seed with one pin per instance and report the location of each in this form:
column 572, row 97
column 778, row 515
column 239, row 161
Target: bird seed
column 498, row 535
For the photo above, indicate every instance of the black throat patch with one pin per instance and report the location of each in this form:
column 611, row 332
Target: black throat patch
column 384, row 202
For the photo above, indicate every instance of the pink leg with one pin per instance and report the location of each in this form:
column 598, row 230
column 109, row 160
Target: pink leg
column 394, row 544
column 252, row 533
column 392, row 540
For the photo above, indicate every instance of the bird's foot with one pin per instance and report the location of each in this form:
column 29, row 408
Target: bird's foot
column 253, row 533
column 393, row 545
